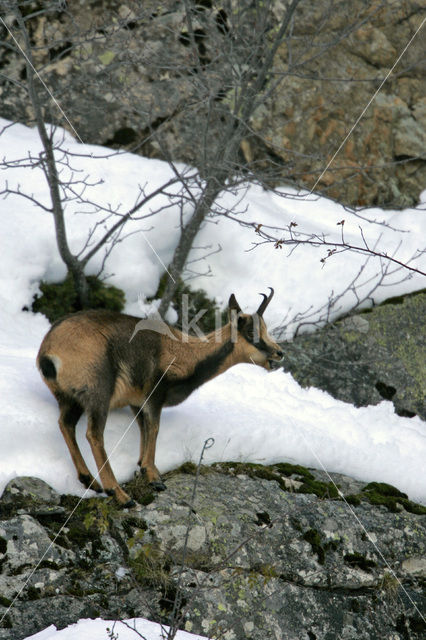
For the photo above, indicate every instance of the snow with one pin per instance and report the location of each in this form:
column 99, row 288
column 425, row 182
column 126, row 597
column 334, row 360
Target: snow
column 97, row 630
column 252, row 415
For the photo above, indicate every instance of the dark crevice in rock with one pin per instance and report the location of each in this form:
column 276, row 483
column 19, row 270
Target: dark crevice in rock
column 123, row 136
column 386, row 391
column 404, row 413
column 360, row 561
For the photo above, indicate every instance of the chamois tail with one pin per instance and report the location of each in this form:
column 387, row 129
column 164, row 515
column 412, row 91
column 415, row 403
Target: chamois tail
column 47, row 367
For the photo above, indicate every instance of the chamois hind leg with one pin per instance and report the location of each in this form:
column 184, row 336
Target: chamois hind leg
column 95, row 436
column 142, row 429
column 70, row 413
column 149, row 422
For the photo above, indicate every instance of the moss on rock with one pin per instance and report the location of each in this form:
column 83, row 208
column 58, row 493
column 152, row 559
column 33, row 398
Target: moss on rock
column 197, row 300
column 60, row 298
column 278, row 472
column 381, row 493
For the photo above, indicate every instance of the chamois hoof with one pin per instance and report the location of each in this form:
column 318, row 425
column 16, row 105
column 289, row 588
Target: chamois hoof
column 157, row 485
column 130, row 504
column 89, row 482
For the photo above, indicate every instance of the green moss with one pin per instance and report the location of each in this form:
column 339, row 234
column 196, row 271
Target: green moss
column 353, row 499
column 381, row 493
column 413, row 507
column 78, row 533
column 5, row 602
column 276, row 472
column 33, row 593
column 393, row 504
column 389, row 584
column 384, row 489
column 319, row 547
column 76, row 590
column 89, row 519
column 149, row 567
column 6, row 622
column 313, row 537
column 189, row 468
column 60, row 298
column 267, row 571
column 139, row 489
column 320, row 489
column 197, row 301
column 250, row 469
column 287, row 469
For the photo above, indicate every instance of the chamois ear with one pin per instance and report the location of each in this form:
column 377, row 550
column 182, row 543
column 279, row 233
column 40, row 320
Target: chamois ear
column 245, row 324
column 233, row 304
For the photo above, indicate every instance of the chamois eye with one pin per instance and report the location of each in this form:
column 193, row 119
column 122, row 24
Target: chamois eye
column 250, row 335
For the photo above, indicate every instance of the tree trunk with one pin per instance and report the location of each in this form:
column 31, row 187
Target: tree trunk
column 202, row 209
column 74, row 265
column 225, row 151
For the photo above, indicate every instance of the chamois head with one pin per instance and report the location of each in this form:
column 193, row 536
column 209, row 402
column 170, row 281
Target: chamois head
column 252, row 340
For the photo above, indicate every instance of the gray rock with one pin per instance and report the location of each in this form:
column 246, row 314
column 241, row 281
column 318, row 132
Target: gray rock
column 368, row 357
column 356, row 323
column 242, row 606
column 119, row 86
column 32, row 495
column 247, row 559
column 26, row 544
column 304, row 540
column 314, row 568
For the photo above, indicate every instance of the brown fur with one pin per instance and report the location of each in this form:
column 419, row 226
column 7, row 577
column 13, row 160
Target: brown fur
column 94, row 361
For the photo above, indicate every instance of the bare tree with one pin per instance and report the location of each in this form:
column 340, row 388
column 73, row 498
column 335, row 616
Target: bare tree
column 55, row 157
column 231, row 66
column 217, row 72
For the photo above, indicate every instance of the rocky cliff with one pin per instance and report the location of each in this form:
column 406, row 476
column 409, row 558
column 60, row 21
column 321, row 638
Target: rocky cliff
column 375, row 355
column 271, row 552
column 120, row 71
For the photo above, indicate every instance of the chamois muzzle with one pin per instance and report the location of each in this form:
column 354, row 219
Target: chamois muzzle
column 275, row 359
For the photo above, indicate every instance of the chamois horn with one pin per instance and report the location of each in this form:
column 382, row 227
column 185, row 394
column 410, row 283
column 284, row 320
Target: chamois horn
column 266, row 300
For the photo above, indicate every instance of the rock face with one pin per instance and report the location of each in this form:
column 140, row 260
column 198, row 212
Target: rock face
column 123, row 74
column 260, row 561
column 368, row 357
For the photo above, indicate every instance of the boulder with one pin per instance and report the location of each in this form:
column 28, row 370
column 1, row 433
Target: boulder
column 367, row 357
column 30, row 495
column 253, row 556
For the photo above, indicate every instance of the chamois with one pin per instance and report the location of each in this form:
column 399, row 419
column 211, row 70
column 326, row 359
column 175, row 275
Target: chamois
column 96, row 360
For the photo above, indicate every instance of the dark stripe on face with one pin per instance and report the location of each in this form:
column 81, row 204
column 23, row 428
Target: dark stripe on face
column 262, row 346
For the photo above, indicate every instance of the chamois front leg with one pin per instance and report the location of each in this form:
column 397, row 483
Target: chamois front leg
column 95, row 436
column 149, row 423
